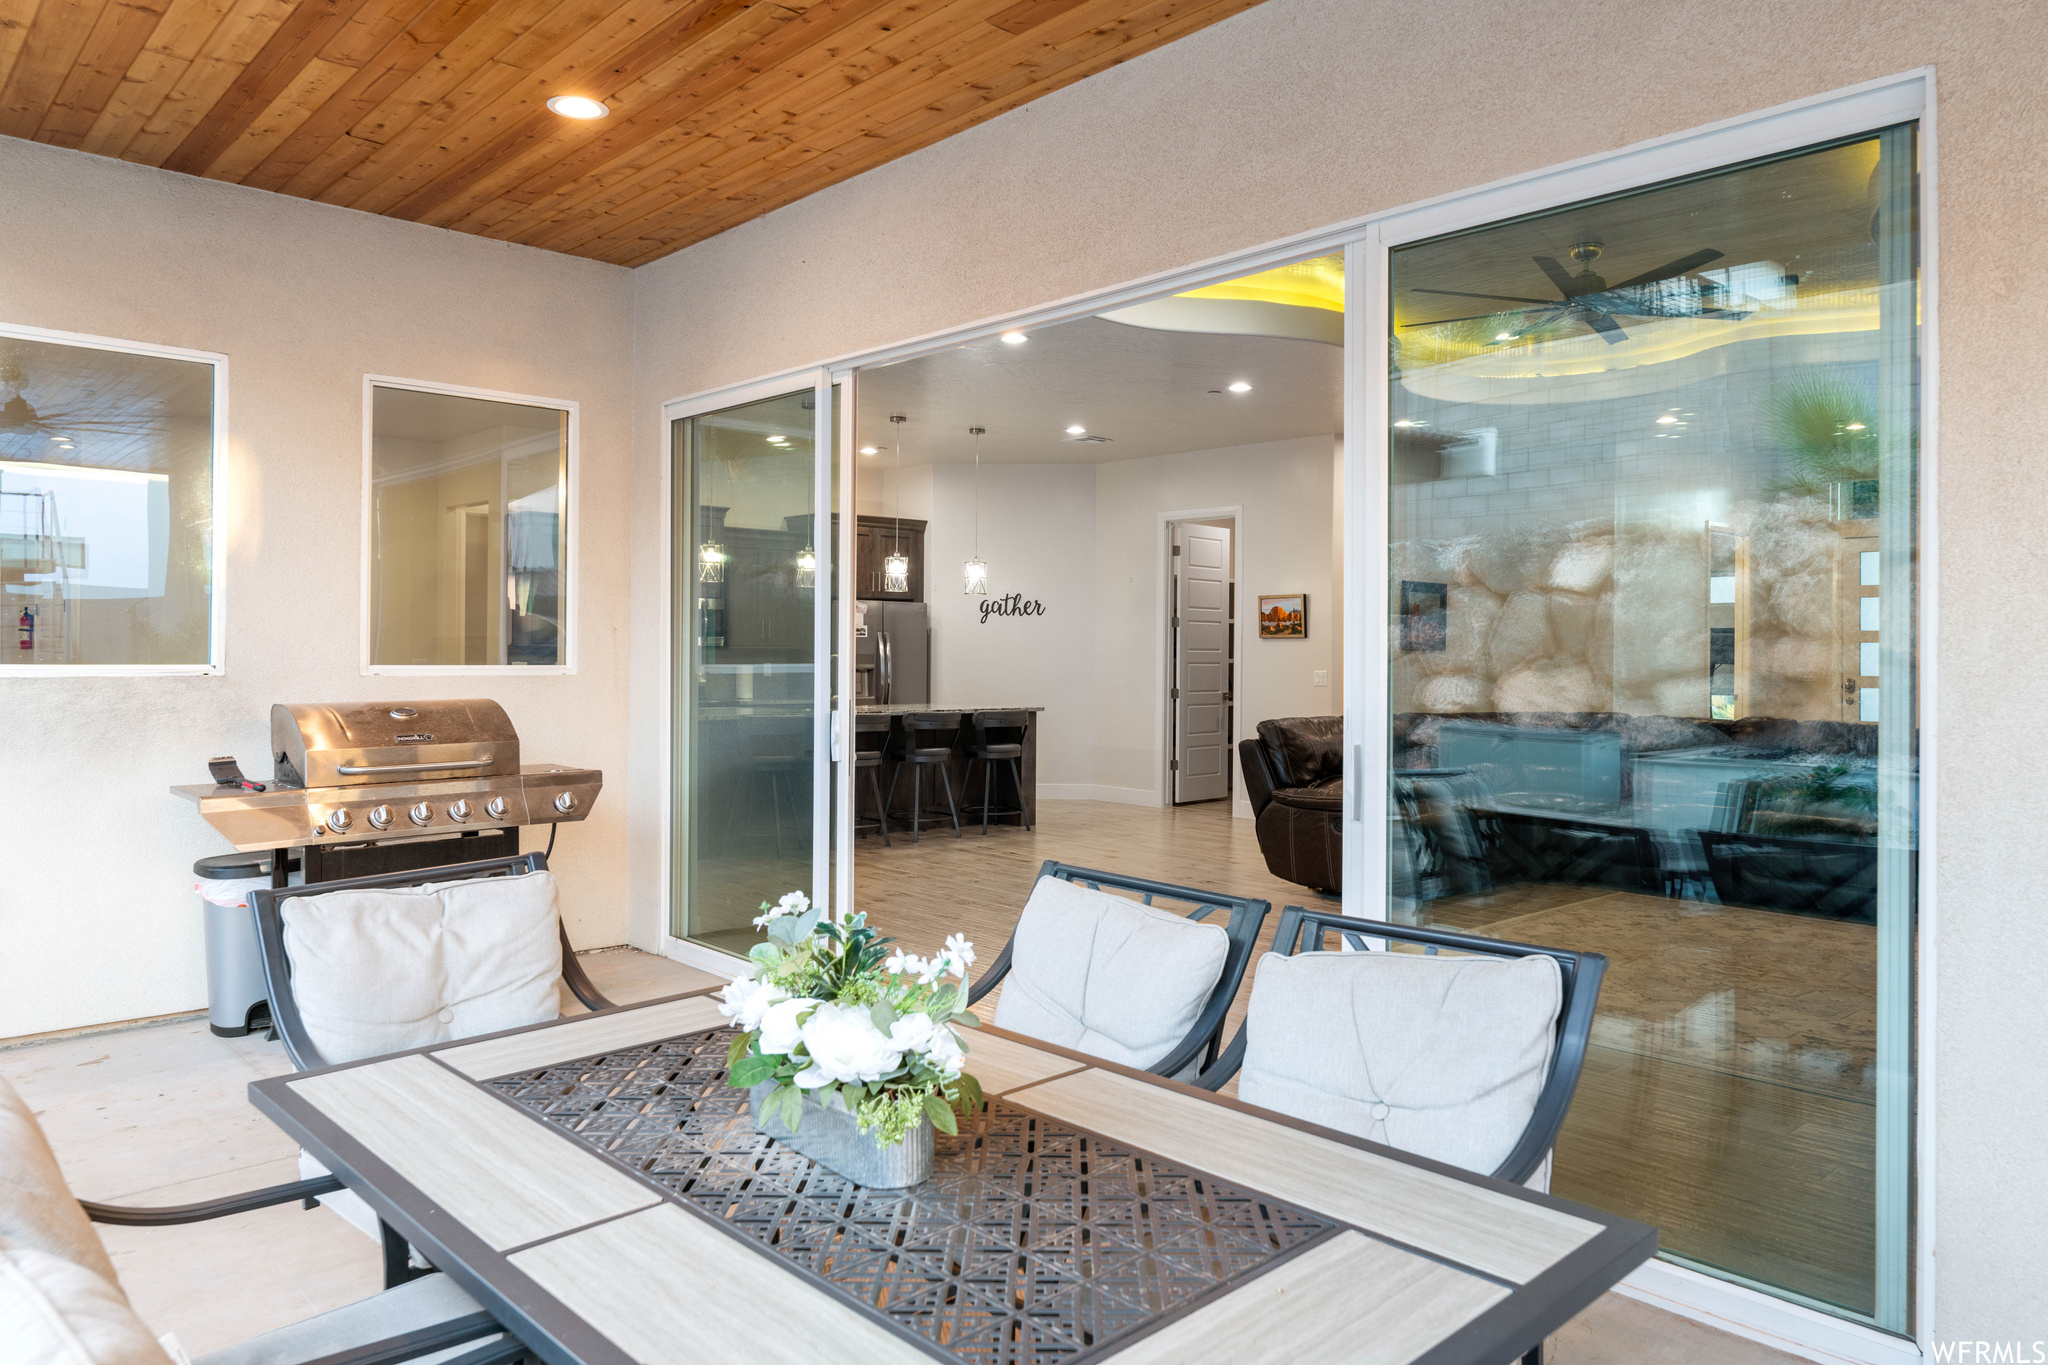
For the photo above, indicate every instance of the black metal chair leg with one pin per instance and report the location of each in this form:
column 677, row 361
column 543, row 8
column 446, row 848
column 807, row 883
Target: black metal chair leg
column 1535, row 1357
column 881, row 810
column 398, row 1267
column 988, row 792
column 916, row 799
column 951, row 807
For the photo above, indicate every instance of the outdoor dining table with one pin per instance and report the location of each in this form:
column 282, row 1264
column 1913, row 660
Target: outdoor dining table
column 600, row 1189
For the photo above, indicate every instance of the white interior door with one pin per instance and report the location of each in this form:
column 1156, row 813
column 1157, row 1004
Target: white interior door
column 1201, row 662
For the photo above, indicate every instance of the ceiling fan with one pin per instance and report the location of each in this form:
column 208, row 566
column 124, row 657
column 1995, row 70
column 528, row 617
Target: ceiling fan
column 1590, row 299
column 20, row 418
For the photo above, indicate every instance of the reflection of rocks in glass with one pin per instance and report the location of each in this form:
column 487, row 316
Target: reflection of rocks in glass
column 1521, row 634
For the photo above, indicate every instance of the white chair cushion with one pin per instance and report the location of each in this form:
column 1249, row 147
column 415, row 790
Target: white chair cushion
column 1440, row 1056
column 417, row 1304
column 1108, row 976
column 37, row 1209
column 56, row 1312
column 377, row 971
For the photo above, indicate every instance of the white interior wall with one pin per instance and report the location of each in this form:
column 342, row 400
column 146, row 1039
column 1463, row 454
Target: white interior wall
column 98, row 922
column 1088, row 542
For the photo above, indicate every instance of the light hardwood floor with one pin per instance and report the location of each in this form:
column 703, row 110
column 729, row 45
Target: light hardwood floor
column 1727, row 1099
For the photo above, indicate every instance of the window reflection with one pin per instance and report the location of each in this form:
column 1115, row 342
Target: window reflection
column 1646, row 719
column 468, row 508
column 106, row 506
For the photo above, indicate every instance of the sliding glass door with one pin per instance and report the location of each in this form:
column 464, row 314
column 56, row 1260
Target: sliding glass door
column 751, row 612
column 1650, row 680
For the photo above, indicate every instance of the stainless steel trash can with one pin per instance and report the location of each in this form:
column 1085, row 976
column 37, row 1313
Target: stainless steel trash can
column 237, row 1000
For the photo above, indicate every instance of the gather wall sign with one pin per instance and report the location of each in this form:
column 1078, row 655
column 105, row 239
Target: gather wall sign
column 1011, row 604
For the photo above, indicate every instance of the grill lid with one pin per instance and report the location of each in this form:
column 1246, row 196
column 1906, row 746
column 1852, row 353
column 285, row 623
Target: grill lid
column 356, row 744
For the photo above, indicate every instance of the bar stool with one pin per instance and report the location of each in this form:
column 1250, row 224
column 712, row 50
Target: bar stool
column 867, row 761
column 998, row 738
column 781, row 762
column 925, row 739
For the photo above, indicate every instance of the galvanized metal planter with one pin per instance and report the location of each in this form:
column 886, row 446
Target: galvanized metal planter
column 833, row 1139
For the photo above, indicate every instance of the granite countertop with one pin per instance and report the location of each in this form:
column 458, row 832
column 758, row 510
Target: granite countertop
column 908, row 707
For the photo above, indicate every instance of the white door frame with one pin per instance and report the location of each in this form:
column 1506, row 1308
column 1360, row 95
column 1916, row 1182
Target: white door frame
column 1365, row 240
column 819, row 381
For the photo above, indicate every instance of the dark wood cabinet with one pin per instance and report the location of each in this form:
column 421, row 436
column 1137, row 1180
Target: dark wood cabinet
column 875, row 538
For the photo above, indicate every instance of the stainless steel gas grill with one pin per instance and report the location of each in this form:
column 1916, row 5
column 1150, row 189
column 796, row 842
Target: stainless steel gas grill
column 361, row 775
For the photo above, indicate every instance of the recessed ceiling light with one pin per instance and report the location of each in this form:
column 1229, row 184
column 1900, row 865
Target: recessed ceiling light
column 869, row 450
column 1015, row 338
column 577, row 106
column 1853, row 426
column 1240, row 387
column 1666, row 420
column 1404, row 422
column 1077, row 430
column 1503, row 336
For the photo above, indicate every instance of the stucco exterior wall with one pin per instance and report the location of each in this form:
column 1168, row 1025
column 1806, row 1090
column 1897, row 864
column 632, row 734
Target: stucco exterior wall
column 1301, row 113
column 97, row 918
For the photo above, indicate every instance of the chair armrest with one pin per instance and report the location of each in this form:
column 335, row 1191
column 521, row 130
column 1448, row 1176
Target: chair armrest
column 428, row 1340
column 580, row 984
column 1258, row 782
column 1226, row 1065
column 133, row 1217
column 997, row 970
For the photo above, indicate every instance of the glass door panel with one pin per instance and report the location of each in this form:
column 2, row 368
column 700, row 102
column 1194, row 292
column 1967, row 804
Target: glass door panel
column 1651, row 682
column 747, row 568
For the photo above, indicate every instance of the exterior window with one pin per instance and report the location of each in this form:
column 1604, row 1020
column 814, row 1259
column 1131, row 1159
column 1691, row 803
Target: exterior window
column 1658, row 698
column 468, row 533
column 107, row 554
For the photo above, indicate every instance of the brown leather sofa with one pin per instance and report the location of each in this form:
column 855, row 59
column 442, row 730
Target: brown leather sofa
column 1294, row 777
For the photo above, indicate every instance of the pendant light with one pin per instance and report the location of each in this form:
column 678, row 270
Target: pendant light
column 896, row 564
column 711, row 554
column 806, row 570
column 977, row 572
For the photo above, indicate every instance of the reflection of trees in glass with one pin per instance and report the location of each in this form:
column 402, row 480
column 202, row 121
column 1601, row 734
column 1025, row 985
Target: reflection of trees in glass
column 1826, row 431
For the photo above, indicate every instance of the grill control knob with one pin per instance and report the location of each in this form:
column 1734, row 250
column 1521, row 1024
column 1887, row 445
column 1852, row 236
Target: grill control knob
column 421, row 813
column 459, row 812
column 380, row 818
column 495, row 808
column 340, row 820
column 566, row 802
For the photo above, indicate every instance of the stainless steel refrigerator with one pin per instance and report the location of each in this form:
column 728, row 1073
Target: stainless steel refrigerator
column 892, row 653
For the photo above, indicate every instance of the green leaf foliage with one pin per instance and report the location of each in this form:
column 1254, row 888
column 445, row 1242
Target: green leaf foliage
column 751, row 1071
column 940, row 1113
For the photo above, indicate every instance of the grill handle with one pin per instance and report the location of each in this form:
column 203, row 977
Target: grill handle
column 353, row 770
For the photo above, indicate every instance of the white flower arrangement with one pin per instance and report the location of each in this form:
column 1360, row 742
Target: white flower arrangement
column 829, row 1009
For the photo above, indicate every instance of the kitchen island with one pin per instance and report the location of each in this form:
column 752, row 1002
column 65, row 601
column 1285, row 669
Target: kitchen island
column 956, row 772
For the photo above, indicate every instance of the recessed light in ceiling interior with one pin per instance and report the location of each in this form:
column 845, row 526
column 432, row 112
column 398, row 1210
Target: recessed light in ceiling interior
column 1015, row 338
column 1240, row 387
column 869, row 450
column 578, row 106
column 1077, row 430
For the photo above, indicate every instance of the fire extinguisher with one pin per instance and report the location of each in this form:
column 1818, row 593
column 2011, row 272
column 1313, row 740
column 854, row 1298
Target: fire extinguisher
column 28, row 629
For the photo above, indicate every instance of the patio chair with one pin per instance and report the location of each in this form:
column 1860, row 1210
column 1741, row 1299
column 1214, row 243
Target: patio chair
column 1470, row 1062
column 60, row 1299
column 371, row 965
column 1121, row 979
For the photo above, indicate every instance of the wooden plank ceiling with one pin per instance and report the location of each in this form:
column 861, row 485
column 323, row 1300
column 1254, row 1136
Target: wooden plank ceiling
column 435, row 111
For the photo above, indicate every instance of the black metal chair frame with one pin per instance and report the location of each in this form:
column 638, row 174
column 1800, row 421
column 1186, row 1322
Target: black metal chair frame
column 871, row 725
column 1302, row 930
column 907, row 749
column 980, row 722
column 390, row 1350
column 1247, row 915
column 266, row 904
